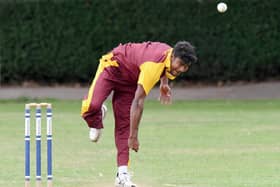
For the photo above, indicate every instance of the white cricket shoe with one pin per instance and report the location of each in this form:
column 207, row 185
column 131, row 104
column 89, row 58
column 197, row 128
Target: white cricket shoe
column 123, row 180
column 94, row 134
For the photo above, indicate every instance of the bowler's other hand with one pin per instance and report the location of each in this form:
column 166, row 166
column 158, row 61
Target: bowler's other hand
column 165, row 94
column 133, row 143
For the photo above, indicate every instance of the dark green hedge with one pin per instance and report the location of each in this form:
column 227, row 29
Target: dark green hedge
column 61, row 41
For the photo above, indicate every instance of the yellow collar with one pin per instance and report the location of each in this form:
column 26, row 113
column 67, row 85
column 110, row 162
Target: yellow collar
column 167, row 63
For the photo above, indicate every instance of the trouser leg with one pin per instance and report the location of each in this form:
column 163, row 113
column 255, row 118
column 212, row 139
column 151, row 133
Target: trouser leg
column 121, row 105
column 92, row 103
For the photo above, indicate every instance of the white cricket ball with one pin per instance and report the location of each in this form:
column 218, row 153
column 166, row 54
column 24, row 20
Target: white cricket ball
column 222, row 7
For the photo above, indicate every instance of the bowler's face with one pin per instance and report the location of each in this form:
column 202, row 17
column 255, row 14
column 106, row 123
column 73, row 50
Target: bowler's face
column 178, row 66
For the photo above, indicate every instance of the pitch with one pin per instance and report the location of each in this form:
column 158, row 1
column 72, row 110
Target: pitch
column 190, row 143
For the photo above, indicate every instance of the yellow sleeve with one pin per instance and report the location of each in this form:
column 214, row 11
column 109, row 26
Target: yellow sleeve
column 150, row 73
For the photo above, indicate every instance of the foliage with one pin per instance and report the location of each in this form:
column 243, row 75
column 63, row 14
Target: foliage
column 61, row 41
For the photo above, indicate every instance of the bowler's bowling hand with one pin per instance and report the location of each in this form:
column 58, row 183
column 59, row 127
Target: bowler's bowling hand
column 133, row 143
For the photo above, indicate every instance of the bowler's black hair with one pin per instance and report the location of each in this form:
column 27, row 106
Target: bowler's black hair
column 185, row 51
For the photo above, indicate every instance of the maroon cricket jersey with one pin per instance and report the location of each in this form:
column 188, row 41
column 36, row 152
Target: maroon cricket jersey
column 147, row 58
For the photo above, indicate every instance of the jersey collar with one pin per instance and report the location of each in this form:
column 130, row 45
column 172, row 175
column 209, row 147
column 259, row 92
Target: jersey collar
column 167, row 63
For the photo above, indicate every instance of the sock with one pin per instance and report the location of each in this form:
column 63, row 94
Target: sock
column 122, row 169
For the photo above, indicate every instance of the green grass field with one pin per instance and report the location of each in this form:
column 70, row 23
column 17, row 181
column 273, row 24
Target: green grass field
column 187, row 144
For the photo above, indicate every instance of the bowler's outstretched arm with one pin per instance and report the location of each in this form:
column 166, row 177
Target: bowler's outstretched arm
column 135, row 117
